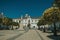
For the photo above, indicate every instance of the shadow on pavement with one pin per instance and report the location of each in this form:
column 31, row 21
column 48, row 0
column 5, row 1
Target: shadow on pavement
column 13, row 38
column 54, row 37
column 2, row 35
column 48, row 32
column 39, row 35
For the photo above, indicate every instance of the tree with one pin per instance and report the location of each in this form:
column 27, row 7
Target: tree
column 0, row 22
column 28, row 26
column 14, row 24
column 6, row 22
column 42, row 21
column 52, row 15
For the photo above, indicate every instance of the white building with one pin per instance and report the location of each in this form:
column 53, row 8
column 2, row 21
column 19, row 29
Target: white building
column 25, row 20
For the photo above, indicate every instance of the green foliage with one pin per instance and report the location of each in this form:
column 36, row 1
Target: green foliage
column 15, row 24
column 52, row 16
column 6, row 21
column 42, row 21
column 49, row 16
column 0, row 20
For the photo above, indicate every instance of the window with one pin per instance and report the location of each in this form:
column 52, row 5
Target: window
column 32, row 20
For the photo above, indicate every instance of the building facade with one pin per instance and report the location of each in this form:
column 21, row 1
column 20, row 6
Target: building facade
column 26, row 20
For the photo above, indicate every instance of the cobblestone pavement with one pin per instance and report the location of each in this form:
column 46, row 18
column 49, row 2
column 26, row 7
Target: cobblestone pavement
column 48, row 35
column 30, row 35
column 7, row 34
column 19, row 35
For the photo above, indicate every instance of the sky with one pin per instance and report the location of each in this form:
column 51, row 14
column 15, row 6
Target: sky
column 16, row 8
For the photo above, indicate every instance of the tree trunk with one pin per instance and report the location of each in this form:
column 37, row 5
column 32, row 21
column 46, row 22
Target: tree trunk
column 55, row 31
column 44, row 30
column 38, row 27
